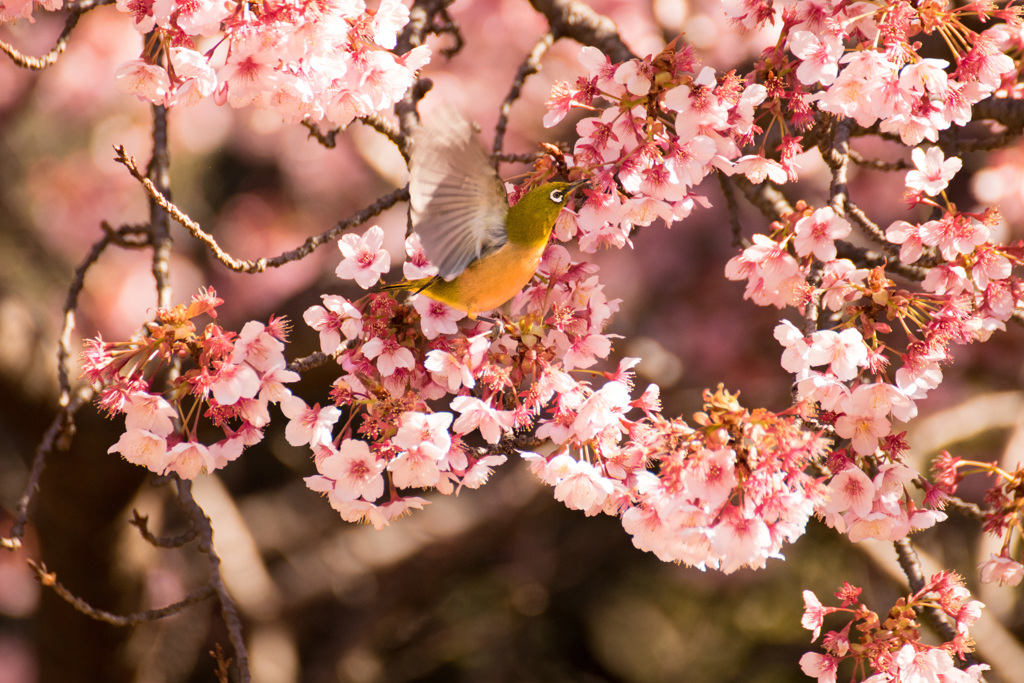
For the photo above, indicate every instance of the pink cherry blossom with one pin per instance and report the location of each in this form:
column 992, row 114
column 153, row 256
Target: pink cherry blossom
column 189, row 459
column 389, row 354
column 741, row 540
column 908, row 235
column 475, row 413
column 424, row 432
column 199, row 80
column 864, row 430
column 416, row 264
column 844, row 352
column 436, row 317
column 820, row 55
column 814, row 614
column 308, row 425
column 257, row 347
column 933, row 171
column 354, row 471
column 233, row 382
column 146, row 81
column 818, row 232
column 149, row 412
column 954, row 235
column 142, row 447
column 839, row 282
column 851, row 489
column 583, row 487
column 1002, row 570
column 336, row 318
column 947, row 279
column 480, row 471
column 364, row 259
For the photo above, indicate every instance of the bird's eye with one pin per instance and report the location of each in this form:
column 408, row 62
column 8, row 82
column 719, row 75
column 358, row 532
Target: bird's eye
column 556, row 196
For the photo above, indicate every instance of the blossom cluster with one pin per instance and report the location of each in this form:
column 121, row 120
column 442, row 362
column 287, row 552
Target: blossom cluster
column 892, row 647
column 399, row 359
column 667, row 123
column 670, row 125
column 1003, row 511
column 235, row 379
column 304, row 60
column 726, row 494
column 860, row 60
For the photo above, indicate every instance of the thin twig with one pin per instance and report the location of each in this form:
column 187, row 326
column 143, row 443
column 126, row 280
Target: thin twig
column 877, row 164
column 854, row 212
column 259, row 265
column 142, row 523
column 530, row 66
column 62, row 428
column 969, row 510
column 836, row 154
column 328, row 139
column 57, row 436
column 732, row 208
column 313, row 360
column 388, row 130
column 49, row 579
column 228, row 609
column 77, row 9
column 871, row 259
column 768, row 199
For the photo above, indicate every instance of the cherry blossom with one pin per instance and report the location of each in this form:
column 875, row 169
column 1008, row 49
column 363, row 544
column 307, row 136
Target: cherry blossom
column 478, row 414
column 337, row 318
column 933, row 171
column 350, row 472
column 364, row 260
column 308, row 425
column 1002, row 570
column 142, row 447
column 820, row 55
column 818, row 232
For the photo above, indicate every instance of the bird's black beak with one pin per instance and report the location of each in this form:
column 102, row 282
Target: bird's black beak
column 578, row 184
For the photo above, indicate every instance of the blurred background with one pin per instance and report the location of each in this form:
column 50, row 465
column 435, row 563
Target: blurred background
column 498, row 584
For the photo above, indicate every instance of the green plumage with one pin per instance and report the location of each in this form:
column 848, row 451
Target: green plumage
column 485, row 251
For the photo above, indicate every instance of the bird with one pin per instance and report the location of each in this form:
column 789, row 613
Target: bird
column 484, row 250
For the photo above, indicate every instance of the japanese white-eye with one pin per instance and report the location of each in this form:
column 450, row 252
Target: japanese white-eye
column 485, row 251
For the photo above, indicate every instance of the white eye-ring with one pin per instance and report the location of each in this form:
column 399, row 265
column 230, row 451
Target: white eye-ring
column 556, row 196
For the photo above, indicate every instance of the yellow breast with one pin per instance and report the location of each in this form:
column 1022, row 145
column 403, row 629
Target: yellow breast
column 490, row 281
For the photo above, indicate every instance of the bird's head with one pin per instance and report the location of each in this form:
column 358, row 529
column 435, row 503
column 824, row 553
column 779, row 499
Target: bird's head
column 533, row 216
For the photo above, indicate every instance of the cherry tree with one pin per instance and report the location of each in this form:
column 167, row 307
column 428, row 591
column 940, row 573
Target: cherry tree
column 856, row 163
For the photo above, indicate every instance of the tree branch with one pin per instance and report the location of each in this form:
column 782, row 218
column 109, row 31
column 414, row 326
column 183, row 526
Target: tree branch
column 530, row 66
column 259, row 265
column 77, row 9
column 228, row 610
column 49, row 579
column 576, row 20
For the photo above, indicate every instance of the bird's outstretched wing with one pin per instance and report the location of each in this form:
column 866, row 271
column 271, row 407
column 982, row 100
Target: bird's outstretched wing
column 457, row 203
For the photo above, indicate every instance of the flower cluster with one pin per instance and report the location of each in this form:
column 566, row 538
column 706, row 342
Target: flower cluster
column 859, row 60
column 725, row 494
column 305, row 60
column 670, row 122
column 1003, row 511
column 892, row 648
column 235, row 379
column 669, row 126
column 395, row 358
